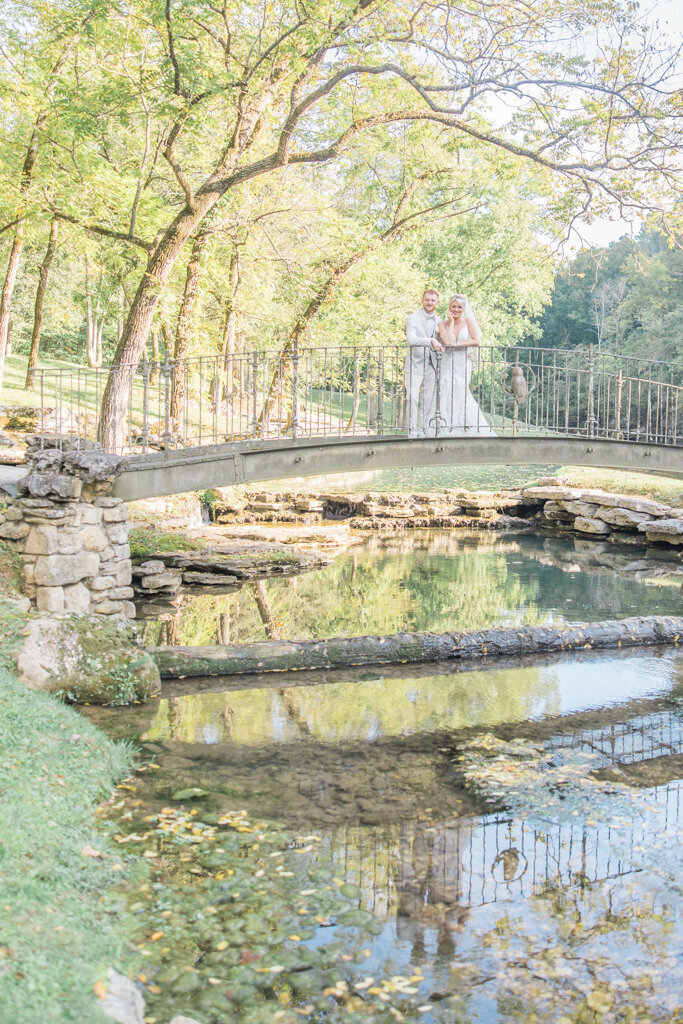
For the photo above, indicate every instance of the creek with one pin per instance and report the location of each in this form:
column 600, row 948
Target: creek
column 514, row 830
column 434, row 580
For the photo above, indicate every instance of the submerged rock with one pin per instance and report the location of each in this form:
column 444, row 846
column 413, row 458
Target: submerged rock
column 123, row 1001
column 87, row 659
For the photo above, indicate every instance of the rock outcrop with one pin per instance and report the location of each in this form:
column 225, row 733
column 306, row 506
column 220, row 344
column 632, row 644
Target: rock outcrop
column 87, row 659
column 552, row 506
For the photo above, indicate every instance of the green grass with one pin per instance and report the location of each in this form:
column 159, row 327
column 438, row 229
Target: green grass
column 660, row 488
column 60, row 926
column 11, row 570
column 146, row 541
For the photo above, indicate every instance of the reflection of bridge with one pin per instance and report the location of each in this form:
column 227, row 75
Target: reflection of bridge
column 215, row 421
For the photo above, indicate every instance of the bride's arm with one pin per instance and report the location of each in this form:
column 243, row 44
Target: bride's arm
column 446, row 333
column 473, row 328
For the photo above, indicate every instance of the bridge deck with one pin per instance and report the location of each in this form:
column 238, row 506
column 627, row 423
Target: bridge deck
column 222, row 465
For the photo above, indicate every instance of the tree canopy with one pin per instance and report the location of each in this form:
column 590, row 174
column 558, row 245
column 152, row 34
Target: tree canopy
column 301, row 144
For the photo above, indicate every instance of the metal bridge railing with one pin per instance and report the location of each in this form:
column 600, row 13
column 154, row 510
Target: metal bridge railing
column 372, row 390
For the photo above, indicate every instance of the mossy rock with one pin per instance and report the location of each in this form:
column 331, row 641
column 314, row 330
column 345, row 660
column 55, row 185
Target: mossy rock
column 87, row 659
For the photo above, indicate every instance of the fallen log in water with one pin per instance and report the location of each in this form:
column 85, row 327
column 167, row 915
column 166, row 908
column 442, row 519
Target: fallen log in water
column 407, row 648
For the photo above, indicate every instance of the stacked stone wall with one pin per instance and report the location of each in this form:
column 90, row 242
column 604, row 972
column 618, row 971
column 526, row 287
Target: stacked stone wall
column 72, row 534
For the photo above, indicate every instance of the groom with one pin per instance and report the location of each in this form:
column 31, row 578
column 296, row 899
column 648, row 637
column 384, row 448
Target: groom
column 420, row 365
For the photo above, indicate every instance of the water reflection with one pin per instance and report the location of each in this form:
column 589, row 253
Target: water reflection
column 383, row 703
column 511, row 911
column 435, row 581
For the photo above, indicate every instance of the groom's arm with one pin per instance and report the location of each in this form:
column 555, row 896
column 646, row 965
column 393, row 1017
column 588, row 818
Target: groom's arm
column 416, row 336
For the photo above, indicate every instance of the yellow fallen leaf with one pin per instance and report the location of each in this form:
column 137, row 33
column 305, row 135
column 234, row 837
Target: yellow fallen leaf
column 155, row 936
column 100, row 989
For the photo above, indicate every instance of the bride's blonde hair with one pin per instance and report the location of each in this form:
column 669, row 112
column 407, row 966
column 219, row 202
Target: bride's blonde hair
column 460, row 298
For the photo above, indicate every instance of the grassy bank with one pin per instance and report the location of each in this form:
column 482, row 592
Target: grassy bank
column 61, row 926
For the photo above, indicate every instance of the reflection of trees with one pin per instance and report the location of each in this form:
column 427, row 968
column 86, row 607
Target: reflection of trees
column 272, row 627
column 351, row 711
column 423, row 580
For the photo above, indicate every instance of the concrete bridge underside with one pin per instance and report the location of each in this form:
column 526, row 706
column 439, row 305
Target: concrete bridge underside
column 250, row 462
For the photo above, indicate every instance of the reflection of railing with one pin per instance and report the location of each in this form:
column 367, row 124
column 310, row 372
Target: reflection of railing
column 638, row 739
column 347, row 392
column 419, row 872
column 436, row 874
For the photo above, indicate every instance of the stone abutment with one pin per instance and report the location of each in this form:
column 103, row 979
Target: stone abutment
column 72, row 533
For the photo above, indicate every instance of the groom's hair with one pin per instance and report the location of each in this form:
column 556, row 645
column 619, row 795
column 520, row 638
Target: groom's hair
column 430, row 291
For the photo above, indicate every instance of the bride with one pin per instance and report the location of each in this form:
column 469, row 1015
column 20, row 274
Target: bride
column 459, row 413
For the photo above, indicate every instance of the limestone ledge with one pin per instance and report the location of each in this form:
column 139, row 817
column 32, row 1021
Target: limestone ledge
column 225, row 567
column 550, row 505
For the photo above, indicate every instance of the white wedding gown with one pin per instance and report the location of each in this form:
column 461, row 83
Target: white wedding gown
column 459, row 413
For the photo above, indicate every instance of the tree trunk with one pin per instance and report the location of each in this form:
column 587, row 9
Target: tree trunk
column 40, row 300
column 185, row 318
column 229, row 345
column 8, row 291
column 112, row 427
column 480, row 646
column 18, row 242
column 282, row 374
column 156, row 361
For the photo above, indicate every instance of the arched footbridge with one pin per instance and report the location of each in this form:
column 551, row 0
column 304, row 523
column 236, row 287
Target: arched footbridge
column 258, row 416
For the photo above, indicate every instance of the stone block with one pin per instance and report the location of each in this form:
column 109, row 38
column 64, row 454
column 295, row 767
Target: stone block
column 60, row 570
column 90, row 514
column 76, row 598
column 579, row 508
column 14, row 531
column 107, row 502
column 161, row 581
column 108, row 607
column 50, row 599
column 13, row 514
column 50, row 515
column 129, row 609
column 121, row 552
column 102, row 583
column 664, row 531
column 115, row 514
column 117, row 533
column 149, row 567
column 122, row 593
column 549, row 493
column 94, row 538
column 123, row 572
column 648, row 507
column 553, row 511
column 594, row 526
column 621, row 518
column 70, row 540
column 67, row 486
column 108, row 566
column 29, row 571
column 599, row 498
column 42, row 540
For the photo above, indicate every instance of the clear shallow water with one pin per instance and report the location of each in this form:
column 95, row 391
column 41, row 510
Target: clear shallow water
column 434, row 581
column 558, row 897
column 515, row 829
